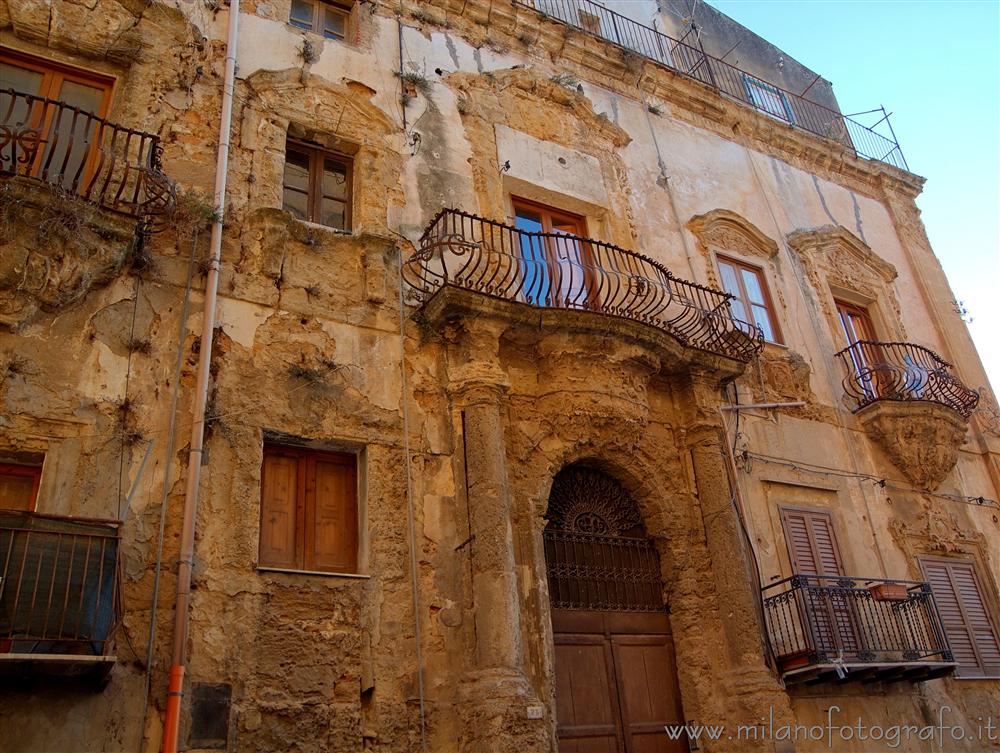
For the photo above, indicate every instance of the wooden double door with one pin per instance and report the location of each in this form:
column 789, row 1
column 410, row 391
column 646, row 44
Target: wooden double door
column 616, row 682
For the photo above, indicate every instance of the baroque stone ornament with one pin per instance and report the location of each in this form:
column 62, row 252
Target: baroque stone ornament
column 60, row 249
column 723, row 230
column 921, row 439
column 585, row 500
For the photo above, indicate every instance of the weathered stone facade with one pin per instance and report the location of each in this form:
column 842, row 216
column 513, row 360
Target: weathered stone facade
column 462, row 410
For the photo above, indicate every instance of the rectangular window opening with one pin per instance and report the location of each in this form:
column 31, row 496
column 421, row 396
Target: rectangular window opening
column 331, row 19
column 309, row 510
column 316, row 186
column 752, row 301
column 19, row 486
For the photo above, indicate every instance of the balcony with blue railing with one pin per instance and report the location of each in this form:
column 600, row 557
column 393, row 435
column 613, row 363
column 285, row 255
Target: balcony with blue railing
column 60, row 595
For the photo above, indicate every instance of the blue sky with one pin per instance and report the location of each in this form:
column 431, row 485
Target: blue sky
column 934, row 64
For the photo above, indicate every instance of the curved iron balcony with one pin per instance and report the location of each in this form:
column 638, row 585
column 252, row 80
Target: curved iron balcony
column 556, row 270
column 902, row 372
column 82, row 155
column 838, row 628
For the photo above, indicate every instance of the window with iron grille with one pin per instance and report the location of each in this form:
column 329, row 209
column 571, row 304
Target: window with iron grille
column 768, row 98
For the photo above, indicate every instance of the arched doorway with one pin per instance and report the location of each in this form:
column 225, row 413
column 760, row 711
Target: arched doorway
column 616, row 676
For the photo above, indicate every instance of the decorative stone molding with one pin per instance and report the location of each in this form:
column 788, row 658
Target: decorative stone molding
column 836, row 258
column 935, row 531
column 722, row 230
column 839, row 249
column 921, row 439
column 59, row 250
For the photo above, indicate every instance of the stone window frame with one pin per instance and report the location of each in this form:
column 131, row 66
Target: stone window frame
column 840, row 266
column 281, row 445
column 317, row 155
column 765, row 285
column 726, row 234
column 344, row 8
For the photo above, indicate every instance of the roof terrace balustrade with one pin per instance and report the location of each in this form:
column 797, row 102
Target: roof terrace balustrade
column 903, row 372
column 686, row 56
column 832, row 628
column 82, row 155
column 560, row 271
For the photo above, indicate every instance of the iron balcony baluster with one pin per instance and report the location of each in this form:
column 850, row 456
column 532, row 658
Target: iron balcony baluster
column 555, row 270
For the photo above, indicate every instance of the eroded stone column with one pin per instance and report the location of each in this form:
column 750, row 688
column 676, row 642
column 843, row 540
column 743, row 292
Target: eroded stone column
column 751, row 684
column 499, row 710
column 494, row 583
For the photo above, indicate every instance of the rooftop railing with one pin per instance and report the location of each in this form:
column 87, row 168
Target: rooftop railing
column 692, row 61
column 59, row 585
column 556, row 270
column 82, row 155
column 844, row 628
column 902, row 372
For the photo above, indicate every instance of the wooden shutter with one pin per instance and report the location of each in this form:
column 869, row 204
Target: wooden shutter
column 279, row 511
column 812, row 549
column 19, row 486
column 812, row 545
column 331, row 517
column 967, row 622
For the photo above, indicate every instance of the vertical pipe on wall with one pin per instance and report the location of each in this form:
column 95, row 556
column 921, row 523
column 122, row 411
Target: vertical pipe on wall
column 175, row 691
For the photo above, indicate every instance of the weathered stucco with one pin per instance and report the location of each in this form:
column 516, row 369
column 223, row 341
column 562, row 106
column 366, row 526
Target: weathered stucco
column 462, row 413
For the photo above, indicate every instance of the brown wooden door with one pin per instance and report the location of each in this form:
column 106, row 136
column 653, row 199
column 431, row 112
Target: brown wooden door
column 616, row 682
column 813, row 550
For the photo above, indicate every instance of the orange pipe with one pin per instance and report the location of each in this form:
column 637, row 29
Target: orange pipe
column 171, row 723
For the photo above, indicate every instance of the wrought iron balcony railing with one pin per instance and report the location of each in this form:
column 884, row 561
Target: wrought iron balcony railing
column 82, row 155
column 822, row 627
column 902, row 372
column 689, row 59
column 555, row 270
column 59, row 585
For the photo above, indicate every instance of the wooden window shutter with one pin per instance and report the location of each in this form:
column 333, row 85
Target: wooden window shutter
column 967, row 622
column 331, row 502
column 812, row 545
column 279, row 502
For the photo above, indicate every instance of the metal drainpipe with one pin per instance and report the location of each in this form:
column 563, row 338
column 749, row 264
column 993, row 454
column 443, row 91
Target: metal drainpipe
column 175, row 692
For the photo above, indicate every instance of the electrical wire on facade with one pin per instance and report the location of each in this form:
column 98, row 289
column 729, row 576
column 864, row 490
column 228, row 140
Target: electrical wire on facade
column 883, row 483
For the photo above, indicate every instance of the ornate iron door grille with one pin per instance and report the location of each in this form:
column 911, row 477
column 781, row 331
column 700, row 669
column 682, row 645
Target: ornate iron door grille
column 596, row 552
column 606, row 573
